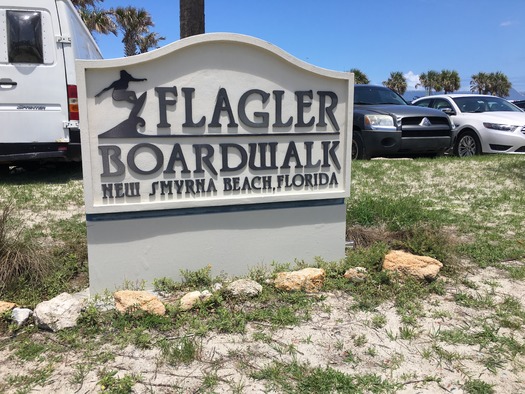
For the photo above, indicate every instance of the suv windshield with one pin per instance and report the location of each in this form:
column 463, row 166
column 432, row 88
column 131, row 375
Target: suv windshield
column 376, row 95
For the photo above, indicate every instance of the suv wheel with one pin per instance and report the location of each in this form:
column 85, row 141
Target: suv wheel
column 358, row 148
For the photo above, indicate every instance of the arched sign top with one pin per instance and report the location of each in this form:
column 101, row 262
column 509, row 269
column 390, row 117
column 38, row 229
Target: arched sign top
column 213, row 120
column 219, row 38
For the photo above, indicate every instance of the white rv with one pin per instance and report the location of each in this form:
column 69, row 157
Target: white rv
column 39, row 42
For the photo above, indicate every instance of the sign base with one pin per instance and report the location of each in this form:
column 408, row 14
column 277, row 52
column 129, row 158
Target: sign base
column 139, row 249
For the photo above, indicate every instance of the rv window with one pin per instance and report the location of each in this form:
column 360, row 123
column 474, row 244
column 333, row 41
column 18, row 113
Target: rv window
column 24, row 37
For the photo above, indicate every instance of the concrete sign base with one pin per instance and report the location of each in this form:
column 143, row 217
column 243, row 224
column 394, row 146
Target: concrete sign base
column 230, row 242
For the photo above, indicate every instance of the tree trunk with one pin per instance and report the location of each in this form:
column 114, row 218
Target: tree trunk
column 191, row 17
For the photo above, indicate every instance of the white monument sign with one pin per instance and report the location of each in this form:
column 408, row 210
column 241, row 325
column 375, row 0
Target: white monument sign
column 218, row 149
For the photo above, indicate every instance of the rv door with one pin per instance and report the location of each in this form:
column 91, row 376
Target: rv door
column 33, row 91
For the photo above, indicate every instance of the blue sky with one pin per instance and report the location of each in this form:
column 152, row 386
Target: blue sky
column 375, row 36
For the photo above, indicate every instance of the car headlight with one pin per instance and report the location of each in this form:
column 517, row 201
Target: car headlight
column 380, row 122
column 499, row 126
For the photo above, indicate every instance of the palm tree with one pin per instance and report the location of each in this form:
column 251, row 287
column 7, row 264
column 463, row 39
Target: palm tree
column 95, row 18
column 479, row 83
column 429, row 81
column 359, row 76
column 98, row 20
column 492, row 83
column 134, row 24
column 499, row 84
column 85, row 3
column 191, row 17
column 450, row 81
column 397, row 82
column 150, row 40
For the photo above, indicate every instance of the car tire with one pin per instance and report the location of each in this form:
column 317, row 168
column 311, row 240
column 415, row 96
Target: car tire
column 467, row 145
column 4, row 170
column 358, row 148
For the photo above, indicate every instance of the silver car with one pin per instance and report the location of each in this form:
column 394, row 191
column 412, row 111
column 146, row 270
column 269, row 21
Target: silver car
column 484, row 124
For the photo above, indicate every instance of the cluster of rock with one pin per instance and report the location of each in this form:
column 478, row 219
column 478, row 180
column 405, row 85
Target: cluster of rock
column 64, row 310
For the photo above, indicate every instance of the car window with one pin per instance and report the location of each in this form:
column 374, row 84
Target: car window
column 470, row 104
column 24, row 37
column 498, row 104
column 441, row 103
column 423, row 103
column 484, row 104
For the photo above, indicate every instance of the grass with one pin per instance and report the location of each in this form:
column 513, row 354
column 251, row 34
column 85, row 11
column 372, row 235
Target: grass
column 465, row 213
column 23, row 262
column 296, row 377
column 476, row 386
column 110, row 383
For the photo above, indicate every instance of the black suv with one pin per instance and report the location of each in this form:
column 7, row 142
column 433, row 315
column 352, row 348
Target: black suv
column 385, row 125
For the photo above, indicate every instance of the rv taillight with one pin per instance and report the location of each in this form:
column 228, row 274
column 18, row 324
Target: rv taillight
column 72, row 98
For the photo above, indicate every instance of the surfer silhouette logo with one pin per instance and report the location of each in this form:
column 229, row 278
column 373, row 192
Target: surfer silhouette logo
column 127, row 128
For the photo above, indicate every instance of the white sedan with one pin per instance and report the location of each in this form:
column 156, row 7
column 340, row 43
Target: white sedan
column 484, row 124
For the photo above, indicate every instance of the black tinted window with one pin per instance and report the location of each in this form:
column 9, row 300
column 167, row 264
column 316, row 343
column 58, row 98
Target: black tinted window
column 24, row 37
column 374, row 95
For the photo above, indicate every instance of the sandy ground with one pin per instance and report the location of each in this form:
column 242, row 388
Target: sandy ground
column 336, row 337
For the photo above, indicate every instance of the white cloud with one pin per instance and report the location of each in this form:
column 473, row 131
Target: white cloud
column 506, row 23
column 412, row 80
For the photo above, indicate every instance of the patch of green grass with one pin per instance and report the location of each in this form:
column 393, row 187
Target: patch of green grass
column 262, row 337
column 300, row 378
column 139, row 319
column 371, row 351
column 379, row 321
column 110, row 383
column 197, row 279
column 281, row 309
column 499, row 348
column 407, row 333
column 407, row 295
column 510, row 313
column 24, row 383
column 360, row 340
column 485, row 235
column 142, row 339
column 351, row 358
column 180, row 350
column 165, row 285
column 485, row 301
column 442, row 355
column 490, row 249
column 517, row 273
column 24, row 264
column 209, row 382
column 228, row 320
column 28, row 350
column 389, row 211
column 80, row 373
column 476, row 386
